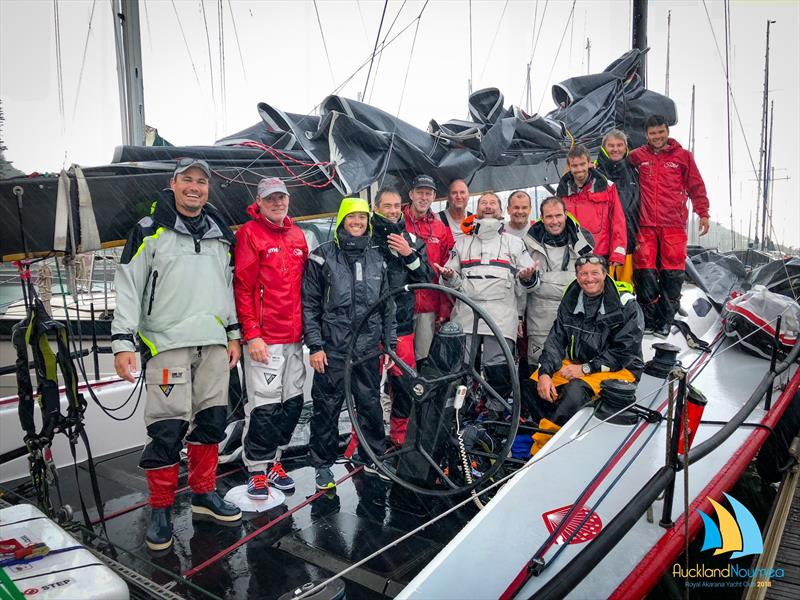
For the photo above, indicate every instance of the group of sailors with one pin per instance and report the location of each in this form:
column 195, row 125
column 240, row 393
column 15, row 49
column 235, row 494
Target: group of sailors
column 190, row 294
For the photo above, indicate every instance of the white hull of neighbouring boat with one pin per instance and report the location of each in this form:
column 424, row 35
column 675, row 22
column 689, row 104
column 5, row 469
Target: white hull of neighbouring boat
column 607, row 464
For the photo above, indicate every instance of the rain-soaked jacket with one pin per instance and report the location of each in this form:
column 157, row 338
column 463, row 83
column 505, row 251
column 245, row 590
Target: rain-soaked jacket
column 597, row 207
column 626, row 179
column 270, row 260
column 413, row 268
column 343, row 278
column 611, row 340
column 172, row 290
column 556, row 271
column 666, row 178
column 486, row 264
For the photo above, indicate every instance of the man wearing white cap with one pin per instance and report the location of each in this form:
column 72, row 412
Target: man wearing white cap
column 270, row 258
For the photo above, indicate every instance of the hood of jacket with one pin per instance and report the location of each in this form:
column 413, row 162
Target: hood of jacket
column 595, row 182
column 349, row 206
column 488, row 228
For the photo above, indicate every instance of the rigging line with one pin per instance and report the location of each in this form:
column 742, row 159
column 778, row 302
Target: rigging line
column 186, row 43
column 83, row 59
column 539, row 32
column 402, row 92
column 728, row 116
column 494, row 39
column 238, row 45
column 147, row 22
column 380, row 54
column 364, row 64
column 375, row 48
column 223, row 91
column 733, row 97
column 470, row 46
column 558, row 51
column 363, row 23
column 210, row 67
column 324, row 43
column 59, row 71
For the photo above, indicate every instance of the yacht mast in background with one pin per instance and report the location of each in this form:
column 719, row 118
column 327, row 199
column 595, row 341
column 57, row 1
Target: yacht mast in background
column 129, row 70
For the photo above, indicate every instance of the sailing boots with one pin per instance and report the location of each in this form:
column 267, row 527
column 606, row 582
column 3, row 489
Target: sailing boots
column 540, row 438
column 159, row 531
column 202, row 479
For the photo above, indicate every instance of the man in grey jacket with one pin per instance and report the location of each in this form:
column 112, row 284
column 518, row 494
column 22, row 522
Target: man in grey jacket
column 555, row 241
column 492, row 268
column 174, row 292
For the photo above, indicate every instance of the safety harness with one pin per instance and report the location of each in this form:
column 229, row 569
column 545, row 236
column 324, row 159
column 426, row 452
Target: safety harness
column 35, row 331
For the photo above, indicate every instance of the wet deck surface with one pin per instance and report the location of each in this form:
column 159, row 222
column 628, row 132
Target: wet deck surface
column 311, row 536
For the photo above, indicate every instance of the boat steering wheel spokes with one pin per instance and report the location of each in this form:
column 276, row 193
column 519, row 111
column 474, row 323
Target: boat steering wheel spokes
column 454, row 468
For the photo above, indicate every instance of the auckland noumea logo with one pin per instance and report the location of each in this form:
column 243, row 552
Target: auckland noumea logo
column 740, row 535
column 737, row 533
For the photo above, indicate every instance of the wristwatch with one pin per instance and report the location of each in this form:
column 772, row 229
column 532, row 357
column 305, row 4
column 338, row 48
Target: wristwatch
column 586, row 369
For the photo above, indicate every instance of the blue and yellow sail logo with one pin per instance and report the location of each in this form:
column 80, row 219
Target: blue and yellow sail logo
column 740, row 535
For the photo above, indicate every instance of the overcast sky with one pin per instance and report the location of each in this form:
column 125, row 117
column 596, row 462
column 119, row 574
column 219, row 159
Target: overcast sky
column 283, row 62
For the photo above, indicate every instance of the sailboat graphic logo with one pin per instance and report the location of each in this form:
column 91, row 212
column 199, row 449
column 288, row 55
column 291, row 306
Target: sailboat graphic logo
column 740, row 535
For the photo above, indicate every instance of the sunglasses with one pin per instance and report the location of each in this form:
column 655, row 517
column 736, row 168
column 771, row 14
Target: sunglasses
column 592, row 260
column 187, row 161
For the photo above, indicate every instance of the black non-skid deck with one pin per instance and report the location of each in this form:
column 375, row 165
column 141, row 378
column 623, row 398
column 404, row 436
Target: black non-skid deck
column 311, row 536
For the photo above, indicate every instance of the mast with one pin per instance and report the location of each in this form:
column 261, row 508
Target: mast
column 766, row 186
column 639, row 35
column 762, row 151
column 129, row 70
column 588, row 55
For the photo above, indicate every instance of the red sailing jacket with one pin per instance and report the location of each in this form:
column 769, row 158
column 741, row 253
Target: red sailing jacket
column 666, row 178
column 597, row 208
column 268, row 275
column 439, row 241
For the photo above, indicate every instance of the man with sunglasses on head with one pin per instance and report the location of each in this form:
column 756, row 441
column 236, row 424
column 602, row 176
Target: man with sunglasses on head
column 174, row 293
column 597, row 335
column 271, row 254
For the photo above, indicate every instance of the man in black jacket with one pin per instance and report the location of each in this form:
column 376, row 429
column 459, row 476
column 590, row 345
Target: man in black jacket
column 612, row 161
column 342, row 280
column 407, row 262
column 597, row 335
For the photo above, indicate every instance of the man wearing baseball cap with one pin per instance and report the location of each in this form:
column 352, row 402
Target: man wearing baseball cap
column 432, row 307
column 175, row 298
column 271, row 254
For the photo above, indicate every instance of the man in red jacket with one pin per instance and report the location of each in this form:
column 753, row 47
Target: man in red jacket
column 667, row 175
column 593, row 201
column 432, row 307
column 270, row 258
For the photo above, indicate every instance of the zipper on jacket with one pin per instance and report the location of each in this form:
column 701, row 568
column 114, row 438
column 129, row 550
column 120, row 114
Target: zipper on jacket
column 572, row 348
column 152, row 292
column 196, row 246
column 261, row 306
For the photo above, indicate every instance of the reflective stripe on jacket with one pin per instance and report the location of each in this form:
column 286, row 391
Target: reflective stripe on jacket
column 172, row 290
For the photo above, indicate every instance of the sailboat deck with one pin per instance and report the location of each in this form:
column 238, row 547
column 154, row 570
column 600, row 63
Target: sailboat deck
column 311, row 536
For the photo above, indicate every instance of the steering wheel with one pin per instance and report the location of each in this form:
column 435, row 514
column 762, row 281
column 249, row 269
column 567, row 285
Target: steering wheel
column 449, row 464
